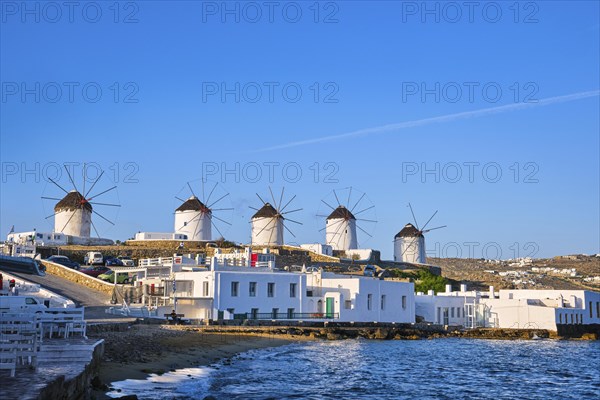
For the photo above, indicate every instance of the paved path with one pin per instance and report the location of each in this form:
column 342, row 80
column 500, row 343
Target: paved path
column 94, row 301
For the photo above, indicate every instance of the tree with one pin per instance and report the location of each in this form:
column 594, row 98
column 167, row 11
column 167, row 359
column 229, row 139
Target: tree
column 428, row 281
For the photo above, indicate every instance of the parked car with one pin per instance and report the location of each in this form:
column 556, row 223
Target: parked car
column 111, row 261
column 95, row 271
column 93, row 258
column 127, row 261
column 64, row 260
column 109, row 276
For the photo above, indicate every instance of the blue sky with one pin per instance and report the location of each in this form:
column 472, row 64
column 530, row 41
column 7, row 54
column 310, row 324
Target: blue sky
column 169, row 63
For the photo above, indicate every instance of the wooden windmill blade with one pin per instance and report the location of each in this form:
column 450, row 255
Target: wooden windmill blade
column 413, row 215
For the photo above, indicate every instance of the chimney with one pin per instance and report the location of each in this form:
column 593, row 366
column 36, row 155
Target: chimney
column 430, row 292
column 463, row 288
column 448, row 288
column 492, row 293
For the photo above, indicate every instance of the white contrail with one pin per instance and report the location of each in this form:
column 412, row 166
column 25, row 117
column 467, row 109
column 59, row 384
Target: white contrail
column 442, row 118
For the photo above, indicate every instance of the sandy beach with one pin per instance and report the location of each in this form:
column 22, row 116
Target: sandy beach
column 146, row 349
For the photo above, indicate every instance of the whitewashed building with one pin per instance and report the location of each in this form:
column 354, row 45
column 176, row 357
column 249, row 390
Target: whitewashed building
column 160, row 236
column 516, row 309
column 35, row 238
column 241, row 285
column 318, row 248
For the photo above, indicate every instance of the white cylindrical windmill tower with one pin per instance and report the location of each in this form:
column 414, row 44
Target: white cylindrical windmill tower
column 267, row 227
column 73, row 215
column 340, row 229
column 409, row 245
column 194, row 219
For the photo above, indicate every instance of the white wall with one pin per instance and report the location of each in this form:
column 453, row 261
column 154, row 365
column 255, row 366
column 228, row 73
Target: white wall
column 195, row 224
column 341, row 234
column 409, row 249
column 432, row 309
column 362, row 254
column 160, row 236
column 243, row 302
column 267, row 231
column 324, row 249
column 357, row 291
column 322, row 286
column 78, row 225
column 517, row 309
column 41, row 238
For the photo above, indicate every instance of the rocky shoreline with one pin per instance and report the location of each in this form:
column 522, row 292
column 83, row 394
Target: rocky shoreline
column 378, row 333
column 133, row 351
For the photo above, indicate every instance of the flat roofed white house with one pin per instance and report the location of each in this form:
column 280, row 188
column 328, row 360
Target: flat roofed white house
column 36, row 238
column 318, row 248
column 238, row 285
column 511, row 309
column 160, row 236
column 361, row 298
column 40, row 238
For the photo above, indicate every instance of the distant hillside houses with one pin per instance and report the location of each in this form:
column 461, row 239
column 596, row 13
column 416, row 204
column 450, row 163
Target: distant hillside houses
column 572, row 272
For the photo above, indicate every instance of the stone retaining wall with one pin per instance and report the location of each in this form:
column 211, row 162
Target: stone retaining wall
column 78, row 277
column 78, row 387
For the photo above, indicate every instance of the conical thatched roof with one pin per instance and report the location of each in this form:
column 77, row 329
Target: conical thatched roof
column 193, row 204
column 409, row 230
column 341, row 213
column 73, row 201
column 267, row 211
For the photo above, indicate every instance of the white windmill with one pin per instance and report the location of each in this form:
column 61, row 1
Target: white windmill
column 73, row 213
column 194, row 217
column 268, row 223
column 341, row 224
column 409, row 243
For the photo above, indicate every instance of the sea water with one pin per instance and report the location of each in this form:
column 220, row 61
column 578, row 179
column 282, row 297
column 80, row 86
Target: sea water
column 367, row 369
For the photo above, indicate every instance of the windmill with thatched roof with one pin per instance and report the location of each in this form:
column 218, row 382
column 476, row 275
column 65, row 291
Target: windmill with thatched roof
column 341, row 225
column 268, row 223
column 195, row 218
column 409, row 243
column 73, row 213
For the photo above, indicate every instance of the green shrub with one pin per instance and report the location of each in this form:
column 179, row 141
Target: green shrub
column 428, row 281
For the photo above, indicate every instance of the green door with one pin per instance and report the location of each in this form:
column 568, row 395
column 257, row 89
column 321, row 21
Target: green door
column 329, row 307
